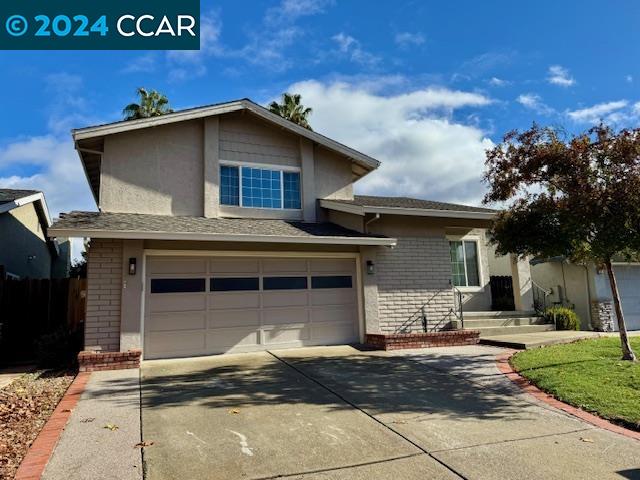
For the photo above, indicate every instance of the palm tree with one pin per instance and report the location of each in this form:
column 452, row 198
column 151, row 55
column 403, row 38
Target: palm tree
column 152, row 104
column 291, row 109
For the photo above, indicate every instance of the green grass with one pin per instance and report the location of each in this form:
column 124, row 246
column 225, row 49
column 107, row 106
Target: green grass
column 588, row 374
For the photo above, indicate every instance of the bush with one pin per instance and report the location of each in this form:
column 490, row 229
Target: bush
column 58, row 349
column 565, row 318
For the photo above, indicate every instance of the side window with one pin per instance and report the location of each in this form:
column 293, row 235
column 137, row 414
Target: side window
column 291, row 182
column 229, row 185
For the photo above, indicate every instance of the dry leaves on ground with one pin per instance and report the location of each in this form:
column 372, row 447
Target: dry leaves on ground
column 25, row 406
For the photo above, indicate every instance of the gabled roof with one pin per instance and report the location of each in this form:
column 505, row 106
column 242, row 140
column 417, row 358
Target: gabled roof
column 88, row 140
column 363, row 204
column 11, row 198
column 164, row 227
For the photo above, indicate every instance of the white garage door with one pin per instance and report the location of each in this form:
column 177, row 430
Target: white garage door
column 628, row 277
column 206, row 305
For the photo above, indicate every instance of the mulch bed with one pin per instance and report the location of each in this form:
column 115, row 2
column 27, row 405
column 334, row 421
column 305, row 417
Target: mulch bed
column 25, row 406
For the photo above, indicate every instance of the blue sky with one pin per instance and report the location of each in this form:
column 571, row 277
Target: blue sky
column 424, row 86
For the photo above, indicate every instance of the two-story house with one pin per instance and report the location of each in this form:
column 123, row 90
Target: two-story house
column 227, row 228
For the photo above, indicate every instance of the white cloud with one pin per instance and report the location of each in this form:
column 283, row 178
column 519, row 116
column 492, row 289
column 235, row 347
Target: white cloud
column 498, row 82
column 606, row 111
column 425, row 152
column 534, row 102
column 407, row 39
column 146, row 63
column 288, row 11
column 185, row 64
column 558, row 75
column 351, row 48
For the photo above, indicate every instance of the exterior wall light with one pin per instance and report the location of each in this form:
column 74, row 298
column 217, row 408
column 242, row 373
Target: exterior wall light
column 132, row 266
column 371, row 267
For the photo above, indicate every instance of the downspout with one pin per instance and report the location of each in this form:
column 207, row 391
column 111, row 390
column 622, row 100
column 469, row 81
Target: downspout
column 371, row 220
column 586, row 275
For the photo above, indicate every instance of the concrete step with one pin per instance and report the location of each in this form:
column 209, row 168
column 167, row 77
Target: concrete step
column 539, row 339
column 513, row 330
column 500, row 314
column 476, row 323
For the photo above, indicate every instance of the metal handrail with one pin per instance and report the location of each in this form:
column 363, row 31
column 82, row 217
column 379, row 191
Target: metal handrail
column 540, row 295
column 458, row 295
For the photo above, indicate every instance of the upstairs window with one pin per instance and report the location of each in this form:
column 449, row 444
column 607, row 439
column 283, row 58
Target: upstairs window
column 464, row 263
column 254, row 187
column 229, row 185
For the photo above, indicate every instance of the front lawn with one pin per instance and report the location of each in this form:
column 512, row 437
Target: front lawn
column 588, row 374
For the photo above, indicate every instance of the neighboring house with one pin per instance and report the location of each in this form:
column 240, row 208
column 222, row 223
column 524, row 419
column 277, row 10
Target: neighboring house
column 586, row 289
column 25, row 250
column 228, row 228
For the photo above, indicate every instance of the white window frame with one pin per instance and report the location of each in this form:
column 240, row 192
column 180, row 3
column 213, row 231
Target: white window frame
column 264, row 166
column 476, row 240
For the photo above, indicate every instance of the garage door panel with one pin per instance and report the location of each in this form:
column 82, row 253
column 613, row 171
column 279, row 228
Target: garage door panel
column 181, row 265
column 228, row 266
column 285, row 335
column 332, row 265
column 222, row 301
column 285, row 298
column 340, row 314
column 174, row 341
column 177, row 302
column 333, row 296
column 234, row 318
column 629, row 285
column 223, row 339
column 178, row 321
column 295, row 309
column 281, row 316
column 284, row 265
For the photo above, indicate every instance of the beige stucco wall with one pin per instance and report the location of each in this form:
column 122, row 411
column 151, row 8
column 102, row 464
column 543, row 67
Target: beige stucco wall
column 23, row 248
column 333, row 174
column 154, row 170
column 569, row 282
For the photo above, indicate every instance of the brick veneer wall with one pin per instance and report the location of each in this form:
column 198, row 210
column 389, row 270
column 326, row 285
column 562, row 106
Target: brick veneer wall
column 422, row 340
column 602, row 316
column 104, row 288
column 96, row 361
column 416, row 271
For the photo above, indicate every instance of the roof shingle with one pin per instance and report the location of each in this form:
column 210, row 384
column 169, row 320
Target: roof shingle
column 406, row 202
column 135, row 222
column 10, row 194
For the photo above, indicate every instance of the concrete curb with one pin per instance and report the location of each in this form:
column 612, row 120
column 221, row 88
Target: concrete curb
column 35, row 461
column 502, row 362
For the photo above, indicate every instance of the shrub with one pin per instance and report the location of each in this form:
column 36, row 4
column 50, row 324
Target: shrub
column 58, row 349
column 565, row 318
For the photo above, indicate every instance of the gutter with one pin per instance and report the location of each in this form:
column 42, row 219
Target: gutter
column 141, row 235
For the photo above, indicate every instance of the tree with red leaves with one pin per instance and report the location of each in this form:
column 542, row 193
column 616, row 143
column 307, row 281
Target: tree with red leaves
column 576, row 197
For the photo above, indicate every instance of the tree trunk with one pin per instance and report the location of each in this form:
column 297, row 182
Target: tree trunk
column 627, row 352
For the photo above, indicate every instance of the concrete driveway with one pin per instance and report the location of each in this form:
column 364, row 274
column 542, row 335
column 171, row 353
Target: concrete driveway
column 337, row 413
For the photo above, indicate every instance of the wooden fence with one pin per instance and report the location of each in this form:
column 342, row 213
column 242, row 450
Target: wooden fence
column 30, row 308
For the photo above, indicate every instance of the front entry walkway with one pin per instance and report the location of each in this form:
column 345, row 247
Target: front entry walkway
column 524, row 341
column 338, row 413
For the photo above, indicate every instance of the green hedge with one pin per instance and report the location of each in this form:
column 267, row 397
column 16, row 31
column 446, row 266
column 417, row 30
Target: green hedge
column 565, row 318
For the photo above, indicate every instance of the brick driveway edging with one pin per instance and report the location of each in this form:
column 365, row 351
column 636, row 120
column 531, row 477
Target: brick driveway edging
column 503, row 364
column 35, row 461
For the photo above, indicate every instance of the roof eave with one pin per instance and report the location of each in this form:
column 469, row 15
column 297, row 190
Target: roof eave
column 418, row 212
column 367, row 162
column 145, row 235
